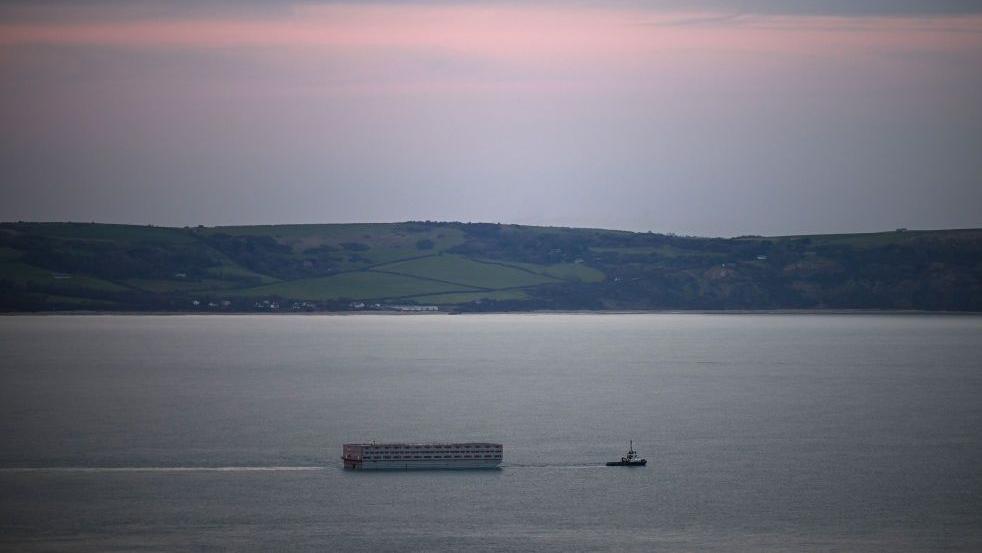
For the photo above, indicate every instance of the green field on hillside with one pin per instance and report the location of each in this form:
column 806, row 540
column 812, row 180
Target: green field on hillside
column 83, row 304
column 353, row 246
column 572, row 272
column 164, row 286
column 460, row 270
column 361, row 285
column 455, row 298
column 23, row 273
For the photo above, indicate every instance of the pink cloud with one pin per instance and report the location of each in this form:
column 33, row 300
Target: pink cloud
column 402, row 46
column 509, row 31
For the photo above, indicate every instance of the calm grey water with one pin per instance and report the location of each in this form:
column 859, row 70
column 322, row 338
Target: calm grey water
column 763, row 432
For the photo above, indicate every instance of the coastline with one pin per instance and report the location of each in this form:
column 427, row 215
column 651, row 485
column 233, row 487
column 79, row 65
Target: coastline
column 531, row 312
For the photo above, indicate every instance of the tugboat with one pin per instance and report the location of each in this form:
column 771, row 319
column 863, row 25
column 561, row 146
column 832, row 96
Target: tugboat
column 631, row 460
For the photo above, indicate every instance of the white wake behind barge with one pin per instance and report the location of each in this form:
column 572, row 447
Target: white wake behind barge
column 410, row 456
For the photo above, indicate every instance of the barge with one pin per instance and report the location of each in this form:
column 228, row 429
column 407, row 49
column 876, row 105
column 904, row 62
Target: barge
column 416, row 456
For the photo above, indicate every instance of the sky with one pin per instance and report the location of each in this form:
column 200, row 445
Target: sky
column 708, row 117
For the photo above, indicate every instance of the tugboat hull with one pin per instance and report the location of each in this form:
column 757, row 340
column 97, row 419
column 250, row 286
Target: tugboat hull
column 632, row 459
column 640, row 463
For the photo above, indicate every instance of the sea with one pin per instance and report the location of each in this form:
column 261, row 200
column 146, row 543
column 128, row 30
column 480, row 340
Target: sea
column 763, row 432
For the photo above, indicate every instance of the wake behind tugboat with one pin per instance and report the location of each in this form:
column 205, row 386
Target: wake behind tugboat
column 630, row 460
column 551, row 465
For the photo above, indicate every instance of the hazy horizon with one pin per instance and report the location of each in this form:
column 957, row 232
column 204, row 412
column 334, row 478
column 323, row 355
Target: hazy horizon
column 704, row 118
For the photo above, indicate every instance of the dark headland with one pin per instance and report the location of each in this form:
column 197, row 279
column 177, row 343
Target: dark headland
column 468, row 267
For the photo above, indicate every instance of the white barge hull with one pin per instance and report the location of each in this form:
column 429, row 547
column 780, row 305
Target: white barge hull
column 422, row 456
column 426, row 465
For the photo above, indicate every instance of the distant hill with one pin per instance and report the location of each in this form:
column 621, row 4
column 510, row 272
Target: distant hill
column 477, row 266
